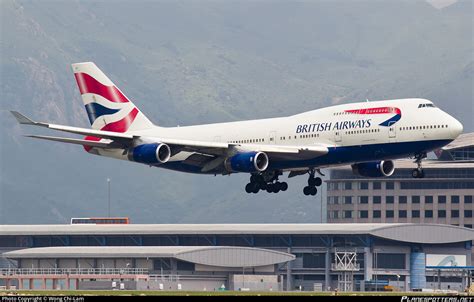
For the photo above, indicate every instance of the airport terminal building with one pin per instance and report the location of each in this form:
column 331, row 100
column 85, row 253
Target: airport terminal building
column 268, row 257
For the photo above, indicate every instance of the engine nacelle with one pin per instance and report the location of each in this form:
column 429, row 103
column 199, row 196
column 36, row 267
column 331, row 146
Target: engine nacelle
column 374, row 169
column 247, row 162
column 156, row 153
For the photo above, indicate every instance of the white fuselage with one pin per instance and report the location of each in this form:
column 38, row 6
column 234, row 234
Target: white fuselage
column 411, row 126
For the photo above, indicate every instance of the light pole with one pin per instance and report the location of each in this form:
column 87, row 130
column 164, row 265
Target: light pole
column 108, row 186
column 375, row 270
column 243, row 278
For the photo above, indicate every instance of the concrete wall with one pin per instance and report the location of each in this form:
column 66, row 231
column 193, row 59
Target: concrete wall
column 105, row 263
column 101, row 285
column 67, row 263
column 254, row 282
column 193, row 285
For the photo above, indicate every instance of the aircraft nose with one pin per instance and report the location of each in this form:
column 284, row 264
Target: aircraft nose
column 456, row 127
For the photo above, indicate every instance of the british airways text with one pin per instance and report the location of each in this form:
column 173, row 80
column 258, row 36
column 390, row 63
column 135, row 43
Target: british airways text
column 319, row 127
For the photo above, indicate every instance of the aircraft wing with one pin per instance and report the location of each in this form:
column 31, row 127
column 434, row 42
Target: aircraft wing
column 217, row 151
column 273, row 151
column 116, row 136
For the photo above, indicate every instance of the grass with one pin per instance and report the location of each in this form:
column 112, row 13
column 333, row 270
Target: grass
column 199, row 293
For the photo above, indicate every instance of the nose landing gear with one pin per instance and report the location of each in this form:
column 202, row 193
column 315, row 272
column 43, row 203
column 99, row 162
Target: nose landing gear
column 418, row 172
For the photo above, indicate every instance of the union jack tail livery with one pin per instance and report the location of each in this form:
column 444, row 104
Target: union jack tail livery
column 107, row 107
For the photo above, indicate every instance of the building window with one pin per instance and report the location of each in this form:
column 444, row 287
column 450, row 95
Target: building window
column 415, row 214
column 441, row 199
column 389, row 260
column 363, row 199
column 454, row 213
column 455, row 199
column 428, row 214
column 348, row 199
column 317, row 260
column 347, row 214
column 441, row 213
column 364, row 185
column 468, row 226
column 428, row 199
column 402, row 214
column 390, row 185
column 377, row 214
column 389, row 214
column 402, row 199
column 389, row 199
column 185, row 266
column 377, row 199
column 468, row 199
column 348, row 185
column 415, row 199
column 468, row 213
column 377, row 185
column 363, row 214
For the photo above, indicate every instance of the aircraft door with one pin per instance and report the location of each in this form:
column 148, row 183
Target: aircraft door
column 272, row 137
column 337, row 136
column 392, row 132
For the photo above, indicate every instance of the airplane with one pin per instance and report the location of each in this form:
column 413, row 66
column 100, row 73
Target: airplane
column 366, row 135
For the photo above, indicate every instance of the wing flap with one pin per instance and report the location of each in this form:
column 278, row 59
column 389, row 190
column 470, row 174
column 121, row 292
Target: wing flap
column 82, row 142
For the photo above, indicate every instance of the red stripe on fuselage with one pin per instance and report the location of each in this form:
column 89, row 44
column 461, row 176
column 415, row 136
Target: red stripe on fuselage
column 88, row 84
column 378, row 110
column 118, row 126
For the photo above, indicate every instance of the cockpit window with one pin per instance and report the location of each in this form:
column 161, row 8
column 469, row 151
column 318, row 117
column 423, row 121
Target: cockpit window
column 426, row 105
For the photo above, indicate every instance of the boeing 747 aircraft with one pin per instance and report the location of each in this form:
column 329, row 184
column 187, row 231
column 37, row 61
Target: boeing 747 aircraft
column 367, row 135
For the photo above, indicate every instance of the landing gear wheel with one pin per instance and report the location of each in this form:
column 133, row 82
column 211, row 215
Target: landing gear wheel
column 313, row 191
column 255, row 188
column 314, row 181
column 307, row 190
column 284, row 186
column 249, row 188
column 319, row 181
column 417, row 173
column 269, row 188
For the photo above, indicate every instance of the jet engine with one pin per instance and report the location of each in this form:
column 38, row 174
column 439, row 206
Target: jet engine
column 247, row 162
column 156, row 153
column 382, row 168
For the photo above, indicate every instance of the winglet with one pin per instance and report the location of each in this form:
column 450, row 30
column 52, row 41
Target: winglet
column 23, row 119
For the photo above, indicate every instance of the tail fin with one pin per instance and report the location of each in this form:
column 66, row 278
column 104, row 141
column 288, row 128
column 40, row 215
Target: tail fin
column 107, row 107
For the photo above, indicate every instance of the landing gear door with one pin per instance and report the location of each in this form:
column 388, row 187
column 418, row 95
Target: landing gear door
column 392, row 132
column 272, row 137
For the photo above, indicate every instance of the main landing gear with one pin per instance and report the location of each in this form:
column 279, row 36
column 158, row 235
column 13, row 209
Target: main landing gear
column 313, row 182
column 418, row 172
column 266, row 182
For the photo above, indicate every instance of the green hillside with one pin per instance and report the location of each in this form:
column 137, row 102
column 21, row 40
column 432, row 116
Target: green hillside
column 187, row 62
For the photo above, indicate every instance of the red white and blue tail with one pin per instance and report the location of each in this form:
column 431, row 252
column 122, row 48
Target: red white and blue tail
column 107, row 107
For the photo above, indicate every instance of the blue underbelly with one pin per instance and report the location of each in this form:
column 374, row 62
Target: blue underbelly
column 337, row 155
